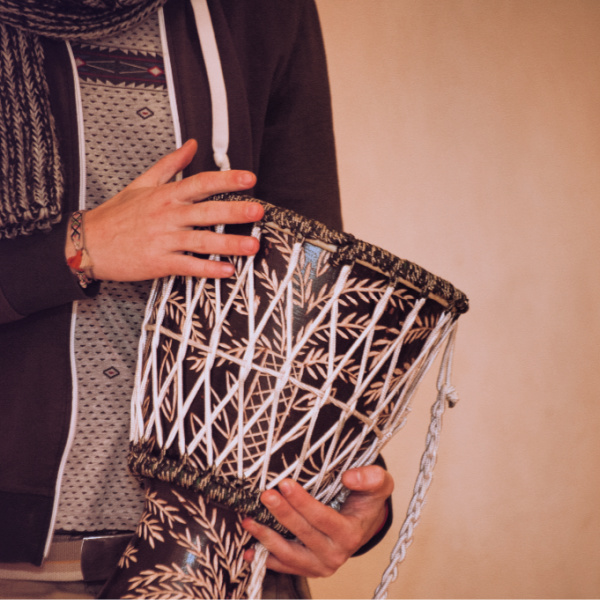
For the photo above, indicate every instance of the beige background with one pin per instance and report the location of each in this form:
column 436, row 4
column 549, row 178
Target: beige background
column 469, row 142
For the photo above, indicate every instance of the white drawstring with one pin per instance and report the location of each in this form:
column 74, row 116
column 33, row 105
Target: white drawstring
column 216, row 83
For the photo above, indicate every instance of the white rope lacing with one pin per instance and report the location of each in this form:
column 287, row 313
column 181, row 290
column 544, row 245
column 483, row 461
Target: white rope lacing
column 400, row 397
column 325, row 494
column 257, row 573
column 151, row 367
column 247, row 364
column 338, row 452
column 278, row 375
column 221, row 313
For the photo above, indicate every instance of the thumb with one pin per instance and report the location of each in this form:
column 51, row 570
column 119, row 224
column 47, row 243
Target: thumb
column 371, row 480
column 167, row 167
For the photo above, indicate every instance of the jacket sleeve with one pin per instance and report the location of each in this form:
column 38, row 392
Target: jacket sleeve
column 279, row 58
column 297, row 165
column 34, row 275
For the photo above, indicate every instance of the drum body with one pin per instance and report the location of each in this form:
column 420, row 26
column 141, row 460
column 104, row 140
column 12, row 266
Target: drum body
column 302, row 365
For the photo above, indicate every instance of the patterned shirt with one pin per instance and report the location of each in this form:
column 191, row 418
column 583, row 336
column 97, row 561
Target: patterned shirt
column 128, row 127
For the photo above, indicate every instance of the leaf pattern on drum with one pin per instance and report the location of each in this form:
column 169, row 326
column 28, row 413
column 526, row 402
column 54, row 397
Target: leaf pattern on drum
column 253, row 401
column 193, row 549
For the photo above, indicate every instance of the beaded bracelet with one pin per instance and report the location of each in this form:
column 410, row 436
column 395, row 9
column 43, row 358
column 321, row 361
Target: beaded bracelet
column 80, row 263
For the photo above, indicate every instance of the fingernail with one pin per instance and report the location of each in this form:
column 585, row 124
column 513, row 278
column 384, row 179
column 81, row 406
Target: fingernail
column 354, row 478
column 285, row 487
column 223, row 270
column 254, row 211
column 189, row 142
column 246, row 179
column 270, row 499
column 249, row 245
column 249, row 524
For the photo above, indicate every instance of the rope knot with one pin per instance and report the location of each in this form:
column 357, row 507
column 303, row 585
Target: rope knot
column 450, row 395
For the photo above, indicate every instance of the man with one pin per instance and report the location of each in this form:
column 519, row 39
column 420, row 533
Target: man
column 72, row 292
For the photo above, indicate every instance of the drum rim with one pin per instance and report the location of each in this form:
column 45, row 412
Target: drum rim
column 230, row 492
column 349, row 249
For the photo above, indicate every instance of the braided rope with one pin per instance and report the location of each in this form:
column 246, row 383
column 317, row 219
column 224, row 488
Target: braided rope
column 446, row 396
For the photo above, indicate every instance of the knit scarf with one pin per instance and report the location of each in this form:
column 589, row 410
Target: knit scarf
column 31, row 178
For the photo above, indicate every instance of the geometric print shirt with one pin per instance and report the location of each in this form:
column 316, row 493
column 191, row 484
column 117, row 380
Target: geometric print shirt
column 128, row 126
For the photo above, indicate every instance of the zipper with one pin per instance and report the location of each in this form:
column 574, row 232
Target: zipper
column 74, row 403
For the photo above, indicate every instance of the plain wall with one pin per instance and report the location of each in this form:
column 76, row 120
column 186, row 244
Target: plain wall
column 468, row 139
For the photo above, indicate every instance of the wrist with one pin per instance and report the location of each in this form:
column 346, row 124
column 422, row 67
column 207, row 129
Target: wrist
column 76, row 254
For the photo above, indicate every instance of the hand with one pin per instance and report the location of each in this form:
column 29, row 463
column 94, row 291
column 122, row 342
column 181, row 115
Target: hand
column 326, row 538
column 147, row 230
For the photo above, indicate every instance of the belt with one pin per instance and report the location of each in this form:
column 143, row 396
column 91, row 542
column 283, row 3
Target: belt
column 88, row 558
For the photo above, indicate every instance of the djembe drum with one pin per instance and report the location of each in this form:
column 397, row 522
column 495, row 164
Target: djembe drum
column 302, row 365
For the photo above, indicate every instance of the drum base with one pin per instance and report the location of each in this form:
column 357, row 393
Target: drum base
column 184, row 547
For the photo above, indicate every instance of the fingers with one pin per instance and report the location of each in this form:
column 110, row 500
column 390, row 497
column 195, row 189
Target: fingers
column 185, row 265
column 150, row 228
column 288, row 556
column 209, row 242
column 205, row 214
column 310, row 520
column 325, row 538
column 371, row 486
column 208, row 183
